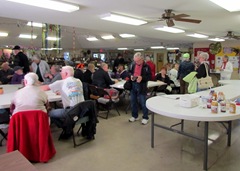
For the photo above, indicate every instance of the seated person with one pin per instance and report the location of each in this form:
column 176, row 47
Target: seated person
column 18, row 76
column 121, row 72
column 101, row 77
column 71, row 91
column 87, row 75
column 54, row 75
column 78, row 73
column 162, row 76
column 6, row 73
column 36, row 98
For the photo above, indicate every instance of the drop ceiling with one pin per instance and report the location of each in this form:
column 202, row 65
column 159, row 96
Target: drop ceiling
column 216, row 21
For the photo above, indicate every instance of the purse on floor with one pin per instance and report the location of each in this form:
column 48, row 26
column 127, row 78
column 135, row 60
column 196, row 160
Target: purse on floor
column 206, row 82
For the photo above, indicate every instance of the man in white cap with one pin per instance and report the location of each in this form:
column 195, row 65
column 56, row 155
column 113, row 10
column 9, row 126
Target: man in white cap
column 184, row 69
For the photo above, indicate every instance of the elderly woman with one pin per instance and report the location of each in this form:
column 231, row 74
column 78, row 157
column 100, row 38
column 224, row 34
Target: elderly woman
column 40, row 67
column 226, row 68
column 162, row 76
column 203, row 67
column 36, row 99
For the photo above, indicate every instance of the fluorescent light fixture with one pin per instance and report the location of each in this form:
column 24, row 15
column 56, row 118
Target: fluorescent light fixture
column 170, row 29
column 51, row 48
column 217, row 39
column 49, row 4
column 157, row 47
column 123, row 19
column 52, row 38
column 108, row 37
column 196, row 35
column 138, row 49
column 230, row 5
column 125, row 35
column 3, row 34
column 172, row 48
column 34, row 24
column 122, row 48
column 27, row 36
column 92, row 39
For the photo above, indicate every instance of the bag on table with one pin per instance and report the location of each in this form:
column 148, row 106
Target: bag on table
column 206, row 82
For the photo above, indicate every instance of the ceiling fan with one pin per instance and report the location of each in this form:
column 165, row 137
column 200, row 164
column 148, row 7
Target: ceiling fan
column 231, row 35
column 170, row 17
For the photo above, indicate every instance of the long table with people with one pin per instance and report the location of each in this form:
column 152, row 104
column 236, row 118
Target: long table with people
column 10, row 89
column 169, row 106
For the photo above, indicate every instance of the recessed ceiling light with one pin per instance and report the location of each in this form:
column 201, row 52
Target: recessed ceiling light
column 196, row 35
column 217, row 39
column 125, row 35
column 108, row 37
column 230, row 5
column 3, row 34
column 34, row 24
column 170, row 29
column 92, row 39
column 27, row 36
column 53, row 38
column 49, row 4
column 123, row 19
column 157, row 47
column 122, row 48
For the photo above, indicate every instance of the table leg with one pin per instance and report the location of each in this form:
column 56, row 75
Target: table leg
column 182, row 124
column 229, row 133
column 152, row 131
column 205, row 155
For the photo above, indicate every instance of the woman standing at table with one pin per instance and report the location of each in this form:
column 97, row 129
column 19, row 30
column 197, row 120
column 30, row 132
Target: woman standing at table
column 226, row 69
column 204, row 66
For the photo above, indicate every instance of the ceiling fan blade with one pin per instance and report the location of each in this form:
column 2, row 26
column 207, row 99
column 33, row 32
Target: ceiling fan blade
column 180, row 16
column 188, row 20
column 170, row 23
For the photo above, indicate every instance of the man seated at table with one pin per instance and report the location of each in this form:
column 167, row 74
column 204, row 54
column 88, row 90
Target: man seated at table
column 53, row 76
column 101, row 77
column 71, row 91
column 6, row 73
column 30, row 97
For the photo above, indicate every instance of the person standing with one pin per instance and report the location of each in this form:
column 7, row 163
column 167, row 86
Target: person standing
column 117, row 61
column 184, row 69
column 21, row 59
column 140, row 75
column 226, row 68
column 40, row 67
column 152, row 66
column 173, row 73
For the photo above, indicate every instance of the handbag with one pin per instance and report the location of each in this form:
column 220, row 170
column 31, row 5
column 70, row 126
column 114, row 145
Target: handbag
column 206, row 82
column 127, row 85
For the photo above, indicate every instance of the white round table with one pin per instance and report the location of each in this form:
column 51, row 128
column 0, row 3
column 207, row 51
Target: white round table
column 169, row 107
column 232, row 82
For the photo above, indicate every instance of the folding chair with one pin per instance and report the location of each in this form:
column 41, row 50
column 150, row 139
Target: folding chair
column 4, row 121
column 85, row 115
column 107, row 100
